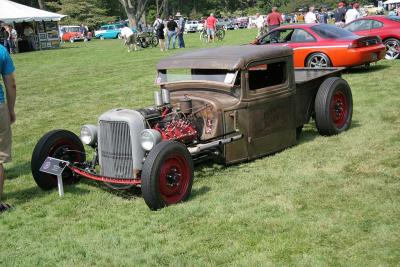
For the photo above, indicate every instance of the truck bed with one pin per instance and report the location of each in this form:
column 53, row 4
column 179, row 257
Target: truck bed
column 303, row 75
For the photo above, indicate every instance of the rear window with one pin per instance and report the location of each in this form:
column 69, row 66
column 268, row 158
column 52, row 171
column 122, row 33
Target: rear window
column 72, row 29
column 331, row 32
column 394, row 18
column 263, row 76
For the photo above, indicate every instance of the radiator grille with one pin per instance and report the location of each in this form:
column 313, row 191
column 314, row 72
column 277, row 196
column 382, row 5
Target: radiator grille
column 115, row 149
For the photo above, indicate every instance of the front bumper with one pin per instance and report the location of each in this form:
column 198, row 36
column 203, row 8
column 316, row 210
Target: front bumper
column 105, row 179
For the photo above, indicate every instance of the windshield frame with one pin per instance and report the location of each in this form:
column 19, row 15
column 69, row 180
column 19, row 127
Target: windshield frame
column 200, row 81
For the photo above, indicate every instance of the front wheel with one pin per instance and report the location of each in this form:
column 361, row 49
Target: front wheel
column 392, row 48
column 60, row 144
column 119, row 36
column 318, row 60
column 333, row 107
column 167, row 175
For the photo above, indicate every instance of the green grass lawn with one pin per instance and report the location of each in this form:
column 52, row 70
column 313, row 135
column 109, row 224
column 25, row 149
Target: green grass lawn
column 327, row 201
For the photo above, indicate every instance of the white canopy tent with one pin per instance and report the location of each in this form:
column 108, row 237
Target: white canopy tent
column 13, row 12
column 388, row 2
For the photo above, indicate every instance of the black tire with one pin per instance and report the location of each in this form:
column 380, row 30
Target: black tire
column 333, row 107
column 168, row 160
column 154, row 41
column 318, row 60
column 220, row 34
column 143, row 43
column 118, row 36
column 54, row 144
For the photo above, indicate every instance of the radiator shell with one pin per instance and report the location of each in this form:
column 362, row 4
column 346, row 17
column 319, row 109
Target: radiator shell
column 119, row 149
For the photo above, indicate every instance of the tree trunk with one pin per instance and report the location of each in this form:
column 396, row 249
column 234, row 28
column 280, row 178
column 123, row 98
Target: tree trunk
column 42, row 5
column 165, row 10
column 157, row 9
column 130, row 11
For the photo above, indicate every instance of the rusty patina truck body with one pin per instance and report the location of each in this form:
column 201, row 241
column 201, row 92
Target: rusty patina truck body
column 228, row 104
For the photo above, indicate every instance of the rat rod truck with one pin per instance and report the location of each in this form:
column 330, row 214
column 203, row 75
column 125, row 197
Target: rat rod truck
column 229, row 104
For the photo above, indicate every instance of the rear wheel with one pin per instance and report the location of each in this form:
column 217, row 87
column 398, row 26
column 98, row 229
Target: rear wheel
column 71, row 40
column 102, row 37
column 60, row 144
column 333, row 106
column 220, row 34
column 167, row 175
column 154, row 41
column 392, row 48
column 318, row 60
column 118, row 36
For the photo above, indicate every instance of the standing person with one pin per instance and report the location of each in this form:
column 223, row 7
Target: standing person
column 274, row 20
column 28, row 33
column 339, row 15
column 171, row 27
column 259, row 24
column 14, row 40
column 181, row 29
column 310, row 16
column 7, row 114
column 159, row 27
column 323, row 16
column 352, row 13
column 211, row 26
column 7, row 38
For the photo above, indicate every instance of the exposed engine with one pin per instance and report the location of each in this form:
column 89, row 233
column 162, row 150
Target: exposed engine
column 174, row 123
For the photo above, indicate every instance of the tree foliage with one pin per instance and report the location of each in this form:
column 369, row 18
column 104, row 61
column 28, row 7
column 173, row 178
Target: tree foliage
column 95, row 12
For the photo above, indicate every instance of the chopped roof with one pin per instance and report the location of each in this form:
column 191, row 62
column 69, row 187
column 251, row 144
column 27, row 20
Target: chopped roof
column 224, row 57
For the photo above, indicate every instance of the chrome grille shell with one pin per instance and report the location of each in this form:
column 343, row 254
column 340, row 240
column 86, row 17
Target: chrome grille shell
column 119, row 149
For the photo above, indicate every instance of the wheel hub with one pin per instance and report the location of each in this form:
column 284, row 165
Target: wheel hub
column 339, row 109
column 173, row 177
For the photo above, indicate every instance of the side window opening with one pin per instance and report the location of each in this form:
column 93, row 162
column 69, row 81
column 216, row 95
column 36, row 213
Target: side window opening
column 266, row 75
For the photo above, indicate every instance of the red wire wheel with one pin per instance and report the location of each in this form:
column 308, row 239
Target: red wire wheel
column 333, row 106
column 61, row 144
column 167, row 175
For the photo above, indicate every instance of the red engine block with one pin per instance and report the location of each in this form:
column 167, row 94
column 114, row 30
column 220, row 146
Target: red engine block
column 180, row 130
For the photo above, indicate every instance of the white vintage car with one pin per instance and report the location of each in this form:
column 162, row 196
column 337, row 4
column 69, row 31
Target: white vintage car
column 193, row 26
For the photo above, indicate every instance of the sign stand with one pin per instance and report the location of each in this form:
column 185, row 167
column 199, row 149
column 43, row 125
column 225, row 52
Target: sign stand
column 55, row 167
column 60, row 185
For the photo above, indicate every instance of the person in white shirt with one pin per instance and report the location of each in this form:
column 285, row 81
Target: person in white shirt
column 310, row 16
column 129, row 37
column 353, row 13
column 259, row 24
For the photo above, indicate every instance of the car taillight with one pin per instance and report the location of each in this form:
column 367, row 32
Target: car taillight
column 366, row 41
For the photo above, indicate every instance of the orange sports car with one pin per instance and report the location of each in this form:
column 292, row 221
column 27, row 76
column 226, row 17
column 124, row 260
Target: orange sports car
column 323, row 45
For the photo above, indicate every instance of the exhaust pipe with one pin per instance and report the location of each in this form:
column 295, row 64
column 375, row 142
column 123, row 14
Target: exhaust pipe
column 165, row 96
column 201, row 147
column 158, row 99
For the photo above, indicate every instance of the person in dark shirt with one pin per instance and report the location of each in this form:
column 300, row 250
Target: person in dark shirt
column 172, row 26
column 339, row 14
column 323, row 16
